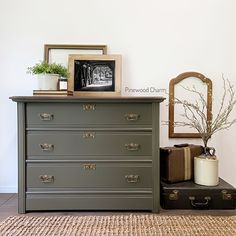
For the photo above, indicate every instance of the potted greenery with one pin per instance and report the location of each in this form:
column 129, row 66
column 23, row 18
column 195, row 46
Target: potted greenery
column 48, row 74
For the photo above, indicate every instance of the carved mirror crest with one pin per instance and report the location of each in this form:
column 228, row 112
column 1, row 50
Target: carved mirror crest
column 180, row 87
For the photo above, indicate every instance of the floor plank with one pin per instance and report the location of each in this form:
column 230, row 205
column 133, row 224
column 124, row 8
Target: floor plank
column 5, row 197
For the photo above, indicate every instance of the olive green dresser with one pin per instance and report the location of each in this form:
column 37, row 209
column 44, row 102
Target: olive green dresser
column 88, row 153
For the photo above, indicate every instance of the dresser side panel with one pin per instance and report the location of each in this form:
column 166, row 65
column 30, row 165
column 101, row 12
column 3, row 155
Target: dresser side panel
column 155, row 155
column 21, row 156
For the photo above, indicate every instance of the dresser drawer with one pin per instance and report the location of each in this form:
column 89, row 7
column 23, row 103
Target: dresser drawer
column 54, row 114
column 89, row 175
column 51, row 143
column 57, row 201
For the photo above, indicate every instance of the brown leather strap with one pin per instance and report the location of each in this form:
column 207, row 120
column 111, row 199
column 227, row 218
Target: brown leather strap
column 187, row 163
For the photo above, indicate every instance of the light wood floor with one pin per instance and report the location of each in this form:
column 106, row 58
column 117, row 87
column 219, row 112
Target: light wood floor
column 8, row 207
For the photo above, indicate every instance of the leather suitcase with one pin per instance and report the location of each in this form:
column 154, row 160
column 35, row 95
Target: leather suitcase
column 176, row 163
column 187, row 195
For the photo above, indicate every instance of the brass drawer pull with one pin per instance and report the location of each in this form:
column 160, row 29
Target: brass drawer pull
column 132, row 146
column 89, row 135
column 132, row 117
column 46, row 116
column 89, row 166
column 132, row 178
column 46, row 178
column 89, row 107
column 46, row 147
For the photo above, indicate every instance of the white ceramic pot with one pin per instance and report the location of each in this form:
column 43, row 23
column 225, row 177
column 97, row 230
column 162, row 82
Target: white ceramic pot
column 206, row 171
column 47, row 81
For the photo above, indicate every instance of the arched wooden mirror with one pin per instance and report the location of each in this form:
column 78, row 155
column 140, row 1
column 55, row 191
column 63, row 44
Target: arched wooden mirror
column 179, row 88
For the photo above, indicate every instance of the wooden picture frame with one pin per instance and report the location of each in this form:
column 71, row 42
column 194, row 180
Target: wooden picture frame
column 59, row 52
column 94, row 75
column 172, row 84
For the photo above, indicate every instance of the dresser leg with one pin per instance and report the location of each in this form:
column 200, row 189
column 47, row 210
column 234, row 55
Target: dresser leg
column 155, row 210
column 21, row 206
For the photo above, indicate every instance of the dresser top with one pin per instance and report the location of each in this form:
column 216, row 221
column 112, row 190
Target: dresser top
column 85, row 99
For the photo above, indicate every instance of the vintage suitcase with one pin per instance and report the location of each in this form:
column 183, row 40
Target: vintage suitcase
column 176, row 163
column 187, row 195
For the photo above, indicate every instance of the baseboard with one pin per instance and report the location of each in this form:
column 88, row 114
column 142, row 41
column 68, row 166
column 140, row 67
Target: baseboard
column 8, row 189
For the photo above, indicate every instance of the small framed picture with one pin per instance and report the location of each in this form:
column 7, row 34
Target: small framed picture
column 94, row 75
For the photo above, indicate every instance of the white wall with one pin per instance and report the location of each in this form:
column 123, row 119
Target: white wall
column 158, row 39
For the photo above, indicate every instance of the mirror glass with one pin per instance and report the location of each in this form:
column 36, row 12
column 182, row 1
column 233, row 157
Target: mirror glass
column 182, row 93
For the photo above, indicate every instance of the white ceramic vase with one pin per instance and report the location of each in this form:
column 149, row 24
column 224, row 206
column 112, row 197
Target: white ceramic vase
column 48, row 81
column 206, row 171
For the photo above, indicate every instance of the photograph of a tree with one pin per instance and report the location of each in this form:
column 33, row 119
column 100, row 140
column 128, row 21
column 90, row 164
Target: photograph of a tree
column 195, row 113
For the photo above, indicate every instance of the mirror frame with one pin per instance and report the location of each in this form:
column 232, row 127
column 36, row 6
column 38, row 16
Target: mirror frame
column 172, row 84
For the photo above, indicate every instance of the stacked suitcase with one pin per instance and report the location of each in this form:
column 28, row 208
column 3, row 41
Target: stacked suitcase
column 178, row 190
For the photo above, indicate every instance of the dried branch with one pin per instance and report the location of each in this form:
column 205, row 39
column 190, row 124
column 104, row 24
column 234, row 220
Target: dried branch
column 195, row 113
column 201, row 112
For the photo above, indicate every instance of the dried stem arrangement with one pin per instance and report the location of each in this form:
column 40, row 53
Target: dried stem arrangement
column 195, row 113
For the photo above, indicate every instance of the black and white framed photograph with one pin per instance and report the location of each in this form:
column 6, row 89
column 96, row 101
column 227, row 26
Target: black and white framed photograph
column 94, row 75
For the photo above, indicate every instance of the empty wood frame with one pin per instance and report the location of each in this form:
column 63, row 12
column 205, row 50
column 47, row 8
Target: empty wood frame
column 173, row 116
column 59, row 52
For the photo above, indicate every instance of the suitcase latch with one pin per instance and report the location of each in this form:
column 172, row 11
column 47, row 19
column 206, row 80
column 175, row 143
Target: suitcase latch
column 225, row 195
column 174, row 195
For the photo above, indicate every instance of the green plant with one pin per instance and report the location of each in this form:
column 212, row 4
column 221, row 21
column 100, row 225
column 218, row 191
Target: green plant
column 47, row 68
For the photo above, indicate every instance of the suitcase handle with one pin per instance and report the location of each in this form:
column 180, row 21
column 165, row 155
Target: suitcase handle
column 181, row 145
column 204, row 204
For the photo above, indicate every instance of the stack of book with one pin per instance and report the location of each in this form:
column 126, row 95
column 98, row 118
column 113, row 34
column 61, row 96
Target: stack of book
column 50, row 92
